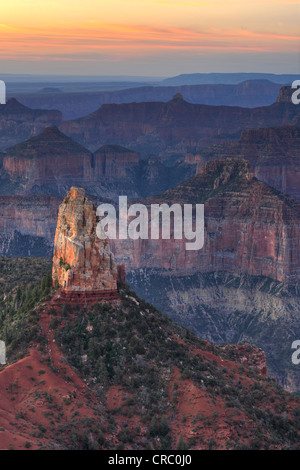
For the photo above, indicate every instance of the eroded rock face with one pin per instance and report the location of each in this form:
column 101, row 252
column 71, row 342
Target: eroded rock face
column 273, row 153
column 249, row 228
column 114, row 161
column 173, row 128
column 51, row 163
column 285, row 94
column 81, row 262
column 27, row 225
column 49, row 160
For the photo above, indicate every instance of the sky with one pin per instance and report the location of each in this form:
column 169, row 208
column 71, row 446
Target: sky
column 149, row 37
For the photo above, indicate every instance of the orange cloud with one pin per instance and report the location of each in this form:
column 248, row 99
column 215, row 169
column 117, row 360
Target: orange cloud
column 95, row 39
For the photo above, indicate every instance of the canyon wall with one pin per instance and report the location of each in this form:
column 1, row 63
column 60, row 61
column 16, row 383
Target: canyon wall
column 52, row 162
column 250, row 93
column 249, row 228
column 244, row 283
column 114, row 161
column 46, row 159
column 27, row 225
column 173, row 128
column 224, row 307
column 273, row 152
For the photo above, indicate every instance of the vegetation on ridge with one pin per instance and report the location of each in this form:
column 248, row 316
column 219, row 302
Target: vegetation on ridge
column 149, row 382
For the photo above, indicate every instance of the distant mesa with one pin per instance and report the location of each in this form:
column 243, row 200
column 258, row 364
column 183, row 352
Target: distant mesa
column 50, row 90
column 48, row 158
column 49, row 140
column 226, row 78
column 174, row 127
column 251, row 93
column 52, row 162
column 13, row 105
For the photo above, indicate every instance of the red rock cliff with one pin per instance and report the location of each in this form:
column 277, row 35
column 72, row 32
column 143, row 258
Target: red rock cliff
column 48, row 158
column 52, row 162
column 249, row 228
column 172, row 127
column 273, row 152
column 113, row 161
column 81, row 262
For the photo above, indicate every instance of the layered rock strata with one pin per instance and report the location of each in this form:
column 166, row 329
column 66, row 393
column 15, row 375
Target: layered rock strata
column 273, row 153
column 82, row 262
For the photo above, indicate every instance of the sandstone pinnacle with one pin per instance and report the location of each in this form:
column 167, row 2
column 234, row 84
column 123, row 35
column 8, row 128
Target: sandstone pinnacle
column 81, row 262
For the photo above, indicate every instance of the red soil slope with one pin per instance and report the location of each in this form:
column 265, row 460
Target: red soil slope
column 46, row 405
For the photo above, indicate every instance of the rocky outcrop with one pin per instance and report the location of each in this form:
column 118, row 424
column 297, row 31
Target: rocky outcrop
column 273, row 152
column 248, row 356
column 82, row 262
column 172, row 128
column 18, row 122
